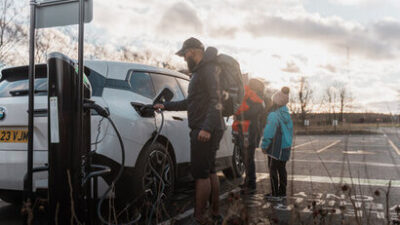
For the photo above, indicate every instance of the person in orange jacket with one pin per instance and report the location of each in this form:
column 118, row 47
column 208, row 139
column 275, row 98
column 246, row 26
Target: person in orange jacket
column 247, row 129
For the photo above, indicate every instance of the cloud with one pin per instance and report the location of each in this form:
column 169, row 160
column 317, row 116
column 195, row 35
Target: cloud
column 387, row 29
column 353, row 2
column 291, row 67
column 276, row 56
column 302, row 58
column 224, row 32
column 329, row 68
column 335, row 33
column 180, row 19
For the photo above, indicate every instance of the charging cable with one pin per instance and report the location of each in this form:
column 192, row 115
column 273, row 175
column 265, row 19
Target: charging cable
column 104, row 113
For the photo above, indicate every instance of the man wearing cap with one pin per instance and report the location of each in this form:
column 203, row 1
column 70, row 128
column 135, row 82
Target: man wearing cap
column 206, row 124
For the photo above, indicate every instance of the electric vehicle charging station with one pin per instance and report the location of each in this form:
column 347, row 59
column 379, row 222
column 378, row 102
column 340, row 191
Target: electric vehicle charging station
column 68, row 123
column 67, row 164
column 71, row 197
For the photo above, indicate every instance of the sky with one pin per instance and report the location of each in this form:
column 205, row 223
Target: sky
column 348, row 43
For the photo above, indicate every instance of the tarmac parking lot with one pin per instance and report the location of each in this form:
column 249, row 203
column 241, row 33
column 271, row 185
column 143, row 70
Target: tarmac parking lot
column 332, row 179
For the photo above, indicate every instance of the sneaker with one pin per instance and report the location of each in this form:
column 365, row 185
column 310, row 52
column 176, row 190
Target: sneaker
column 272, row 198
column 218, row 219
column 283, row 197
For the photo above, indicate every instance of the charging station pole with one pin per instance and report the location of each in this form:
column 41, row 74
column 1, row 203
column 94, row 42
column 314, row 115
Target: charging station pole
column 66, row 92
column 28, row 184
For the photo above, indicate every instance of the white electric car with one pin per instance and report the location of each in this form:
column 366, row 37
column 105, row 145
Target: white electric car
column 114, row 85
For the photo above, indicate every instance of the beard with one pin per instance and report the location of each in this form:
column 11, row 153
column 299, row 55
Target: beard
column 191, row 64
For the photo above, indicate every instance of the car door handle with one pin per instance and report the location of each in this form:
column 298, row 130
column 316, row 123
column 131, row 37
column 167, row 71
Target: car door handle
column 177, row 118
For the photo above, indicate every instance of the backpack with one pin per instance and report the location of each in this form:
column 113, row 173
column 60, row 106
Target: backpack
column 230, row 84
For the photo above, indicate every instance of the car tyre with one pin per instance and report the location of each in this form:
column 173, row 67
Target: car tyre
column 154, row 174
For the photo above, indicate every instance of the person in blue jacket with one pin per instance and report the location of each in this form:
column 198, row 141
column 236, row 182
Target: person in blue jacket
column 277, row 143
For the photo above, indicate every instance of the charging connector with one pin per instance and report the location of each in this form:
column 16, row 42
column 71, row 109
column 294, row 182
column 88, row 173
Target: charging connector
column 90, row 104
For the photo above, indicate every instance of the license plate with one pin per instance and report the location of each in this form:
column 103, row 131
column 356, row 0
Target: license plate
column 13, row 136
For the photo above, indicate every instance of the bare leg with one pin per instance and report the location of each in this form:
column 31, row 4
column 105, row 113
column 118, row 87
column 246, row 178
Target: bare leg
column 214, row 194
column 203, row 190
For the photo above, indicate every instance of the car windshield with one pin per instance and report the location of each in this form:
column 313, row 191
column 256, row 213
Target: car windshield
column 21, row 87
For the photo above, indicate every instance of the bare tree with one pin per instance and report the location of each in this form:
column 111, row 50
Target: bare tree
column 292, row 105
column 50, row 40
column 305, row 96
column 337, row 98
column 330, row 97
column 11, row 33
column 128, row 55
column 42, row 46
column 345, row 101
column 301, row 100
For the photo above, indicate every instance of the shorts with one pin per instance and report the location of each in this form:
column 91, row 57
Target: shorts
column 203, row 154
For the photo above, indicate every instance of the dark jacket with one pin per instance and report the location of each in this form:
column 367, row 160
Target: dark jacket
column 251, row 113
column 202, row 102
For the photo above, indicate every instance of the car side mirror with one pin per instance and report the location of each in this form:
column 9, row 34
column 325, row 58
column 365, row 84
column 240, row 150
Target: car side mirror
column 164, row 96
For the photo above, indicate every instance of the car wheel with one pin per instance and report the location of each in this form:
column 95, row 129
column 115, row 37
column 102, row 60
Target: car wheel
column 154, row 175
column 238, row 167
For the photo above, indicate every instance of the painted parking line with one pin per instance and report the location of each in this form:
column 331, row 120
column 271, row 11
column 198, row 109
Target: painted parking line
column 384, row 145
column 326, row 147
column 190, row 211
column 320, row 150
column 394, row 146
column 351, row 163
column 337, row 180
column 307, row 143
column 359, row 152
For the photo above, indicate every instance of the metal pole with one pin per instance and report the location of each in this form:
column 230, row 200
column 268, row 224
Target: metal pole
column 79, row 117
column 28, row 186
column 80, row 71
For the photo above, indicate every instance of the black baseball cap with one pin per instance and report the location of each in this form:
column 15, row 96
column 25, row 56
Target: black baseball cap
column 190, row 43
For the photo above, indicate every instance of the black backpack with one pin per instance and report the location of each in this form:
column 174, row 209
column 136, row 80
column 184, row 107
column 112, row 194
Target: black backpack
column 230, row 84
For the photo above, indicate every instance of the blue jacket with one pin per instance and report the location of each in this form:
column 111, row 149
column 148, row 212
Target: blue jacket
column 278, row 120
